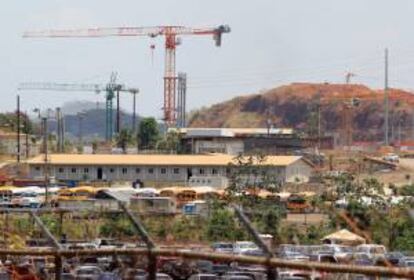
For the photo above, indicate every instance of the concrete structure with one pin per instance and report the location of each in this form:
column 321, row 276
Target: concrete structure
column 161, row 168
column 236, row 141
column 163, row 205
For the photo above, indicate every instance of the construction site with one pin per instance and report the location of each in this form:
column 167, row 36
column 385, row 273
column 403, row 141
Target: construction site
column 276, row 145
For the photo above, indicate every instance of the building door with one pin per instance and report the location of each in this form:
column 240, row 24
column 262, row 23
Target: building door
column 99, row 174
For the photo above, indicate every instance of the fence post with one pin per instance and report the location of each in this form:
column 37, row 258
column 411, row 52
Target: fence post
column 58, row 267
column 53, row 240
column 143, row 234
column 271, row 274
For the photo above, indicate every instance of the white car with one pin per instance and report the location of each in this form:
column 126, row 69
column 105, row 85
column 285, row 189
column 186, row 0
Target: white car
column 241, row 247
column 341, row 252
column 391, row 158
column 29, row 199
column 373, row 251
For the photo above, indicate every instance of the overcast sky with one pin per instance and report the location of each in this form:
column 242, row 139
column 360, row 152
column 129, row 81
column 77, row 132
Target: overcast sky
column 273, row 42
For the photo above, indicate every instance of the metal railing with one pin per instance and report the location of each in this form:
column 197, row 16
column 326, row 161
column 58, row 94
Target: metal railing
column 152, row 252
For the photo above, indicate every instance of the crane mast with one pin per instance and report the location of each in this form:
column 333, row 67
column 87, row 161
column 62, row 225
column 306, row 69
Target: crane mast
column 110, row 89
column 170, row 33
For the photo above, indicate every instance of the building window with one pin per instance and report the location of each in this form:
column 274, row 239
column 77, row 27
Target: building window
column 176, row 170
column 86, row 170
column 137, row 170
column 61, row 170
column 124, row 170
column 73, row 170
column 37, row 168
column 201, row 171
column 214, row 171
column 151, row 170
column 163, row 170
column 111, row 170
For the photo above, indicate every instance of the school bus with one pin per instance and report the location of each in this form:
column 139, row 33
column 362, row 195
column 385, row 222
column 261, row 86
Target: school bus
column 182, row 195
column 298, row 203
column 78, row 193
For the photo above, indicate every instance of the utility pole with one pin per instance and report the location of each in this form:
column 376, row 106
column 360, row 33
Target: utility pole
column 58, row 128
column 319, row 121
column 412, row 125
column 46, row 159
column 386, row 101
column 399, row 129
column 26, row 123
column 134, row 111
column 80, row 128
column 118, row 114
column 18, row 128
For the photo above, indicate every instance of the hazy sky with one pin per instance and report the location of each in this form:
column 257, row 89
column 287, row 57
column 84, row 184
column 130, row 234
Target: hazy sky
column 273, row 42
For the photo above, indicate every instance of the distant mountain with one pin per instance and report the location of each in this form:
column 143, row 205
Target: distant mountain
column 74, row 107
column 296, row 105
column 93, row 123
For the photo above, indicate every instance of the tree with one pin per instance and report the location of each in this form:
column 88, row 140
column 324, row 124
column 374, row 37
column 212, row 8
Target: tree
column 148, row 133
column 252, row 173
column 123, row 139
column 222, row 225
column 8, row 122
column 170, row 142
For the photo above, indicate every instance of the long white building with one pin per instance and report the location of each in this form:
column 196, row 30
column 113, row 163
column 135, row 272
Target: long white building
column 160, row 168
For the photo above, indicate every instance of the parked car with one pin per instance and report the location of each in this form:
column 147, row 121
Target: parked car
column 220, row 269
column 136, row 274
column 163, row 276
column 204, row 266
column 293, row 256
column 236, row 277
column 341, row 252
column 108, row 276
column 88, row 272
column 361, row 259
column 203, row 276
column 327, row 257
column 394, row 258
column 241, row 247
column 374, row 251
column 407, row 262
column 255, row 252
column 391, row 158
column 223, row 247
column 66, row 276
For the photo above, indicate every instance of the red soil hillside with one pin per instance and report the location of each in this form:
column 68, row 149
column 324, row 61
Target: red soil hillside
column 296, row 105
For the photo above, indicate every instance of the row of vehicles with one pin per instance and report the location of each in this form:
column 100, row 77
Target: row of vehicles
column 32, row 197
column 364, row 254
column 35, row 197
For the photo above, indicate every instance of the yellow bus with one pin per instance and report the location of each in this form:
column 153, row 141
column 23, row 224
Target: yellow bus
column 183, row 195
column 78, row 193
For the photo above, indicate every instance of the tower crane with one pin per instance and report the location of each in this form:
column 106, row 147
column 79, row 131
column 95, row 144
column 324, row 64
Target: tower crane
column 172, row 40
column 348, row 77
column 110, row 88
column 348, row 106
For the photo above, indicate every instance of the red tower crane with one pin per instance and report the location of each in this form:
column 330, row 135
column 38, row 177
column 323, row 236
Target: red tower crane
column 172, row 40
